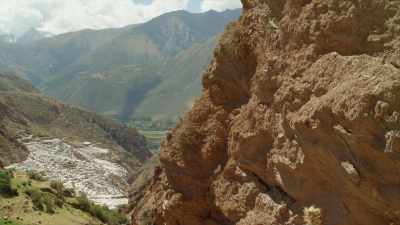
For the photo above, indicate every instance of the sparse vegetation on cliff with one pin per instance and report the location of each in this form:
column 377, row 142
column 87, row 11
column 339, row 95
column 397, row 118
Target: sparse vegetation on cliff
column 312, row 216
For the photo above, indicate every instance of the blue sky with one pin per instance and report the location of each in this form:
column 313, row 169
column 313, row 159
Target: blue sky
column 60, row 16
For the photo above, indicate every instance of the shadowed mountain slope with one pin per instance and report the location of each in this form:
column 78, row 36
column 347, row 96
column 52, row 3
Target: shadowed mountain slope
column 125, row 72
column 25, row 112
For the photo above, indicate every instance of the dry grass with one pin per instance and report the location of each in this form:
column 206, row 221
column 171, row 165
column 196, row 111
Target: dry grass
column 312, row 216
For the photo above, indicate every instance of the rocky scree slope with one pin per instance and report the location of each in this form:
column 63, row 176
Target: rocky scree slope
column 23, row 111
column 298, row 122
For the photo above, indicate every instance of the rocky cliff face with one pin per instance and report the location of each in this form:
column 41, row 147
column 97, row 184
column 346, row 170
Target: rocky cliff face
column 298, row 122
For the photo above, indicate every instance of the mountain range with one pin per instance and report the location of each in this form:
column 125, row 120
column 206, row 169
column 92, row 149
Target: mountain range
column 145, row 70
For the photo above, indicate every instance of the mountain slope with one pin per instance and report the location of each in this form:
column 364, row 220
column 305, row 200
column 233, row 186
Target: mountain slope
column 125, row 65
column 182, row 84
column 25, row 111
column 298, row 123
column 140, row 63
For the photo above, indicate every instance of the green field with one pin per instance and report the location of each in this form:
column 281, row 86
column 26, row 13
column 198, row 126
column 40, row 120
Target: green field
column 153, row 138
column 153, row 130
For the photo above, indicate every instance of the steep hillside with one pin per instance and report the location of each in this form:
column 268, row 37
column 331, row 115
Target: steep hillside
column 26, row 200
column 132, row 67
column 40, row 134
column 297, row 124
column 176, row 93
column 12, row 83
column 24, row 110
column 11, row 150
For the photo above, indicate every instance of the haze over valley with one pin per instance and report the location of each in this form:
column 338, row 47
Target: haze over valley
column 89, row 108
column 148, row 70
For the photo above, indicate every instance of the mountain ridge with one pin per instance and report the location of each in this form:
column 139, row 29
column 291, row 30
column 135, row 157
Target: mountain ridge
column 76, row 67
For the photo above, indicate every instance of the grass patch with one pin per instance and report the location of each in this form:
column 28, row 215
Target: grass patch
column 49, row 203
column 103, row 213
column 8, row 222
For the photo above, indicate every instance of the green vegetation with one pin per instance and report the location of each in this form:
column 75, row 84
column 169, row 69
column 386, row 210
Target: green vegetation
column 37, row 176
column 149, row 124
column 44, row 202
column 59, row 188
column 8, row 222
column 104, row 214
column 153, row 130
column 6, row 189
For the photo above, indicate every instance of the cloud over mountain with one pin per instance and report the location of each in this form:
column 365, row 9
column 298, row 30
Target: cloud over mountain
column 60, row 16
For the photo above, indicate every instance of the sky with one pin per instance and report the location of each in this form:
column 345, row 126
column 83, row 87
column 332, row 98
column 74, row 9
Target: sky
column 61, row 16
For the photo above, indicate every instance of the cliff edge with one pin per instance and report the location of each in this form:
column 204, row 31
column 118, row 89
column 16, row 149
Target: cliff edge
column 298, row 122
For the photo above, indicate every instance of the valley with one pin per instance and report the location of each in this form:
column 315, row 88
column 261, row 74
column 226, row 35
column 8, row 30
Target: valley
column 83, row 114
column 280, row 113
column 154, row 130
column 146, row 70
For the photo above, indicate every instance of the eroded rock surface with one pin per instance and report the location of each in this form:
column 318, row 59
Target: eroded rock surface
column 298, row 122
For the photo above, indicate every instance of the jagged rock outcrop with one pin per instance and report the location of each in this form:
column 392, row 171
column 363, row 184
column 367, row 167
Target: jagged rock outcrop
column 298, row 122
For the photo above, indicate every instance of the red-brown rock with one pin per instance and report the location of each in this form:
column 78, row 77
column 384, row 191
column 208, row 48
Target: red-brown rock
column 298, row 122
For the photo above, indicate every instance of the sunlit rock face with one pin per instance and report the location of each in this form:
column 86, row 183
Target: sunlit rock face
column 81, row 166
column 298, row 122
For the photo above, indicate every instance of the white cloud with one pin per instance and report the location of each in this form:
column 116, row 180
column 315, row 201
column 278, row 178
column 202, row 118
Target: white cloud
column 220, row 5
column 60, row 16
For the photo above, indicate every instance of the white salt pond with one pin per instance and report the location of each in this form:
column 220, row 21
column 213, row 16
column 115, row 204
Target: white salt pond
column 81, row 168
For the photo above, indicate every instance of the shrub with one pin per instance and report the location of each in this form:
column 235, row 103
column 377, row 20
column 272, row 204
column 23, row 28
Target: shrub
column 103, row 213
column 59, row 188
column 59, row 203
column 43, row 201
column 49, row 202
column 69, row 192
column 37, row 198
column 83, row 203
column 6, row 189
column 36, row 176
column 25, row 184
column 312, row 216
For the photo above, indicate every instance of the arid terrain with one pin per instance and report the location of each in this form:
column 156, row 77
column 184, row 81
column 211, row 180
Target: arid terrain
column 298, row 123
